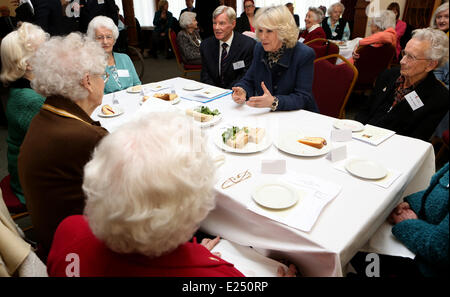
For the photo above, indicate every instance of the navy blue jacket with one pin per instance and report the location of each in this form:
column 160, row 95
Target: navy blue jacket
column 294, row 77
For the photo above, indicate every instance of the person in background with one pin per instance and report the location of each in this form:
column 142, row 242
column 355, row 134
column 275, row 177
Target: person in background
column 389, row 106
column 290, row 6
column 62, row 136
column 142, row 209
column 400, row 26
column 227, row 55
column 23, row 102
column 92, row 8
column 120, row 68
column 440, row 21
column 205, row 9
column 188, row 39
column 162, row 21
column 313, row 29
column 7, row 22
column 245, row 22
column 281, row 74
column 189, row 7
column 335, row 27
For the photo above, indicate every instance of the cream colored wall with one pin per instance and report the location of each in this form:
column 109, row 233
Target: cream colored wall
column 383, row 4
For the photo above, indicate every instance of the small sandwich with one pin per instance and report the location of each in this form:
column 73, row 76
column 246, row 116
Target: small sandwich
column 317, row 142
column 256, row 134
column 107, row 110
column 136, row 88
column 198, row 116
column 239, row 140
column 144, row 98
column 165, row 96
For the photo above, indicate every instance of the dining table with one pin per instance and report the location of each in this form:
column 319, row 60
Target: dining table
column 337, row 212
column 346, row 48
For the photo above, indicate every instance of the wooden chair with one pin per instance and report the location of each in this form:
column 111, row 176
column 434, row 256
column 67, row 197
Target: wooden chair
column 184, row 68
column 138, row 60
column 323, row 47
column 333, row 84
column 372, row 61
column 16, row 208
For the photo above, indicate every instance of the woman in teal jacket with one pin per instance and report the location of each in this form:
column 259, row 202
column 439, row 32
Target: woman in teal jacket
column 23, row 102
column 120, row 68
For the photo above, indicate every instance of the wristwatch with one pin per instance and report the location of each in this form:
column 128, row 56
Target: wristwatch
column 274, row 104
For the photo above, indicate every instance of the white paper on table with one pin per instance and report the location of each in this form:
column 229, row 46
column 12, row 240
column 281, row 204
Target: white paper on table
column 314, row 194
column 373, row 135
column 247, row 260
column 385, row 182
column 384, row 242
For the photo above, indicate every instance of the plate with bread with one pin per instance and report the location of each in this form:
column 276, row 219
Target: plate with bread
column 169, row 97
column 242, row 139
column 109, row 111
column 134, row 89
column 204, row 116
column 303, row 144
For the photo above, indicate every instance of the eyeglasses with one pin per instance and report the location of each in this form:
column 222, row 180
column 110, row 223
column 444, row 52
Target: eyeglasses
column 411, row 58
column 105, row 77
column 107, row 37
column 249, row 6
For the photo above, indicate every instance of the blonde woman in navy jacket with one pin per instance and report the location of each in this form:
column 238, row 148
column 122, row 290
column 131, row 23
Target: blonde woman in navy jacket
column 281, row 74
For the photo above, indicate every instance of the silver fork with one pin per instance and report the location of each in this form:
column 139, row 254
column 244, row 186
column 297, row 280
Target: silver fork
column 115, row 100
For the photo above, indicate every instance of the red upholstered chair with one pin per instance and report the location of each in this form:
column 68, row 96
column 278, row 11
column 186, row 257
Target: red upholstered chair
column 323, row 47
column 15, row 207
column 333, row 84
column 185, row 68
column 372, row 61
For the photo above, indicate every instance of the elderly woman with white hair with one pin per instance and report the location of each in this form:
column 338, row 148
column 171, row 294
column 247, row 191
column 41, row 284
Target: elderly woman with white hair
column 143, row 208
column 335, row 27
column 188, row 39
column 313, row 30
column 410, row 100
column 120, row 67
column 440, row 21
column 281, row 74
column 23, row 102
column 382, row 27
column 62, row 136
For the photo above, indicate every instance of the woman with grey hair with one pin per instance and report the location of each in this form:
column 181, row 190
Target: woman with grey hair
column 440, row 21
column 313, row 29
column 23, row 103
column 281, row 74
column 120, row 67
column 62, row 136
column 382, row 27
column 335, row 27
column 188, row 39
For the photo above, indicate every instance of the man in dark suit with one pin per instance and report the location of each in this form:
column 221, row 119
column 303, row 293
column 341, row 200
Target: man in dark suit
column 92, row 8
column 227, row 55
column 48, row 15
column 290, row 6
column 410, row 100
column 189, row 7
column 204, row 9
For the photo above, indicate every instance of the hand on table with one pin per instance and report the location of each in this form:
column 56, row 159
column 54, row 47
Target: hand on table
column 265, row 100
column 239, row 95
column 210, row 244
column 402, row 212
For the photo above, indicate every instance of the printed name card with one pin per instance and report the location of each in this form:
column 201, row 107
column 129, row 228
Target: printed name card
column 337, row 153
column 273, row 166
column 341, row 135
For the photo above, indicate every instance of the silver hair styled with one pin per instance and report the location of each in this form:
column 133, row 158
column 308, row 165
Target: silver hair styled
column 102, row 22
column 229, row 11
column 279, row 19
column 438, row 10
column 186, row 19
column 317, row 12
column 152, row 196
column 438, row 50
column 60, row 64
column 384, row 20
column 332, row 6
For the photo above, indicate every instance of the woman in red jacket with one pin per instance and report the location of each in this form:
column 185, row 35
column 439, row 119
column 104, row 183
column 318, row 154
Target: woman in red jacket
column 313, row 29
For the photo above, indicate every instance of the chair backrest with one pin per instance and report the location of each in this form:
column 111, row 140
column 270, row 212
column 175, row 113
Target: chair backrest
column 333, row 84
column 323, row 47
column 176, row 50
column 371, row 62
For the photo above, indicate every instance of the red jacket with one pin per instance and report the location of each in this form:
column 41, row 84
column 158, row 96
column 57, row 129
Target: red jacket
column 316, row 33
column 74, row 237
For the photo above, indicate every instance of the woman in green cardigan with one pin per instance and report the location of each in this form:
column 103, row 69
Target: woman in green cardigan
column 120, row 68
column 23, row 102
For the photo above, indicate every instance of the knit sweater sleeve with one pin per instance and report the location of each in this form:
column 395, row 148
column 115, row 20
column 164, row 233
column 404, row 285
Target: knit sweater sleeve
column 30, row 108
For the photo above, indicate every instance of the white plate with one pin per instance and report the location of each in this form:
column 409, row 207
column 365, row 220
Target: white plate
column 155, row 87
column 275, row 195
column 134, row 89
column 366, row 169
column 247, row 149
column 117, row 112
column 193, row 87
column 288, row 142
column 214, row 121
column 348, row 125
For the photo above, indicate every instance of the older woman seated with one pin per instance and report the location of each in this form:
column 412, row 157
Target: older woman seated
column 120, row 67
column 383, row 31
column 23, row 102
column 281, row 74
column 62, row 136
column 335, row 27
column 313, row 29
column 188, row 39
column 143, row 208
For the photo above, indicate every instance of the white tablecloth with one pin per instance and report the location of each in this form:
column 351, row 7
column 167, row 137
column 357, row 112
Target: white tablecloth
column 346, row 50
column 344, row 225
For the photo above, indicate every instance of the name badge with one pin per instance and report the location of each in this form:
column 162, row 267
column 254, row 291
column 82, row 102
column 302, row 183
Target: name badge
column 301, row 39
column 123, row 73
column 334, row 34
column 414, row 100
column 101, row 1
column 238, row 65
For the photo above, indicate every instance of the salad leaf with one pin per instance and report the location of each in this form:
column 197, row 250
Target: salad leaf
column 206, row 110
